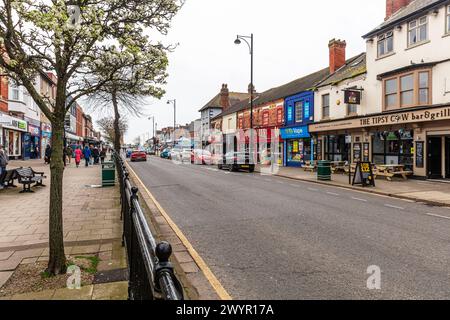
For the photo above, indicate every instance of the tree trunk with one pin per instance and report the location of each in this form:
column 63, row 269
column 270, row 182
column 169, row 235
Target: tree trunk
column 57, row 260
column 117, row 133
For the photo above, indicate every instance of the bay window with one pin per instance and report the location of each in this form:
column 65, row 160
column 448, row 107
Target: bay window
column 407, row 90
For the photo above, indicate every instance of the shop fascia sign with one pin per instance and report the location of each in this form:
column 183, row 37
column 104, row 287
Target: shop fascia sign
column 426, row 115
column 296, row 132
column 13, row 123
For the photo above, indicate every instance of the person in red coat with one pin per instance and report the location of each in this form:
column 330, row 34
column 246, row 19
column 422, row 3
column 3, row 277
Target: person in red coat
column 78, row 154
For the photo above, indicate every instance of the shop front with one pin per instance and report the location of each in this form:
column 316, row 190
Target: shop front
column 416, row 139
column 32, row 141
column 270, row 146
column 46, row 137
column 298, row 146
column 14, row 130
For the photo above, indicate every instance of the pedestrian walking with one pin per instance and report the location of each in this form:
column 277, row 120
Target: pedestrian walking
column 87, row 155
column 48, row 154
column 96, row 155
column 69, row 153
column 78, row 155
column 3, row 164
column 103, row 155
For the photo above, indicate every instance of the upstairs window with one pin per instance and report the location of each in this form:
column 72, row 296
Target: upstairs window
column 265, row 118
column 418, row 31
column 279, row 115
column 407, row 90
column 385, row 43
column 299, row 111
column 326, row 106
column 448, row 20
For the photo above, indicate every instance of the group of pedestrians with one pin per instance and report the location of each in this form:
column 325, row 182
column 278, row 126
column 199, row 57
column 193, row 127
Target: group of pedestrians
column 91, row 155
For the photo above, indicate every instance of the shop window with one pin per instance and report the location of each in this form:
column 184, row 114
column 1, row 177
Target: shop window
column 299, row 111
column 418, row 31
column 336, row 149
column 407, row 90
column 393, row 148
column 447, row 29
column 326, row 106
column 385, row 43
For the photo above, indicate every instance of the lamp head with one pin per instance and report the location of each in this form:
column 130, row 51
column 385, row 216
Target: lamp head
column 237, row 41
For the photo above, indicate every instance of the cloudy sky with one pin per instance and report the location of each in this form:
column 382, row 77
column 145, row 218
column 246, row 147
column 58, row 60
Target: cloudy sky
column 291, row 40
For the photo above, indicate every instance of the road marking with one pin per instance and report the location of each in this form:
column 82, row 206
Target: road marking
column 312, row 189
column 359, row 199
column 215, row 283
column 394, row 207
column 294, row 185
column 436, row 215
column 333, row 194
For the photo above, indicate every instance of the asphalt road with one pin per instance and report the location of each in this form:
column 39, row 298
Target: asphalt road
column 267, row 237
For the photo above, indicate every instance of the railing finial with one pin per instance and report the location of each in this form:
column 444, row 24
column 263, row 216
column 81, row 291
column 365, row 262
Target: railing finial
column 163, row 251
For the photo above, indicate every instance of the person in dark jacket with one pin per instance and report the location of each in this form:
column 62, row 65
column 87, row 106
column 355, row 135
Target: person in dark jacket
column 48, row 154
column 96, row 155
column 103, row 155
column 87, row 155
column 3, row 164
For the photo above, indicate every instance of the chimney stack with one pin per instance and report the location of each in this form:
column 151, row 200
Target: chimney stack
column 337, row 54
column 392, row 6
column 224, row 97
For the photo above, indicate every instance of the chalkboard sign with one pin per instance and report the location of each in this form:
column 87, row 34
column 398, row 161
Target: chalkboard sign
column 364, row 174
column 419, row 154
column 357, row 152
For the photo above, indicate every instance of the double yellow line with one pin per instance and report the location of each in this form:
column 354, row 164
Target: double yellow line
column 215, row 283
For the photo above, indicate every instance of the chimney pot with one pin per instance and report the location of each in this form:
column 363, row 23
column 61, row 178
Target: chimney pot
column 392, row 6
column 224, row 97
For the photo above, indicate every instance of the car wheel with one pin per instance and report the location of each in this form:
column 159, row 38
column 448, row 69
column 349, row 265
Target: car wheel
column 219, row 166
column 231, row 168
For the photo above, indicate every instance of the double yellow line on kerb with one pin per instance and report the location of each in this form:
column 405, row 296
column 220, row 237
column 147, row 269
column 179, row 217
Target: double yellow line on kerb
column 215, row 283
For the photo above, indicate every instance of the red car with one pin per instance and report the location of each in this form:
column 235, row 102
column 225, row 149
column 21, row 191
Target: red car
column 199, row 156
column 138, row 156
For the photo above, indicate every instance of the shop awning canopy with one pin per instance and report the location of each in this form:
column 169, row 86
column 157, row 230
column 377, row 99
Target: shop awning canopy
column 73, row 137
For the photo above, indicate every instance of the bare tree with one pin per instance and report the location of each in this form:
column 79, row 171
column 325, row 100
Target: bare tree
column 75, row 39
column 107, row 128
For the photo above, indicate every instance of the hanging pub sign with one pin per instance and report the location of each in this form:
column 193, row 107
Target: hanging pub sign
column 352, row 97
column 364, row 174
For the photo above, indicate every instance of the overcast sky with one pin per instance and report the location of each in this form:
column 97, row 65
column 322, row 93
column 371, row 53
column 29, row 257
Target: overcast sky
column 291, row 40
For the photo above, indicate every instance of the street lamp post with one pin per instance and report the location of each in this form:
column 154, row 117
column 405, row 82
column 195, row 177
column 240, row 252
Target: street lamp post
column 153, row 126
column 174, row 102
column 250, row 46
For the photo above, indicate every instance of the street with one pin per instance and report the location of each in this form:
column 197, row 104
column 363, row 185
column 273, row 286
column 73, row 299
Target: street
column 267, row 237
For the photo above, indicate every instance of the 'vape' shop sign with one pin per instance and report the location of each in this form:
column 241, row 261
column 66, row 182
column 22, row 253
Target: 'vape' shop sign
column 425, row 115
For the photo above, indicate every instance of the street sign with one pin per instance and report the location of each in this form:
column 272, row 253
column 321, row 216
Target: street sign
column 364, row 174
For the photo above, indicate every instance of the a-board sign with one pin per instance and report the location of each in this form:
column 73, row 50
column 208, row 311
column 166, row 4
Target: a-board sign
column 364, row 174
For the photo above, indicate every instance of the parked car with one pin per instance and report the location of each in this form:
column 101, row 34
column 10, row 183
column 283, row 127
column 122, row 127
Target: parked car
column 181, row 154
column 235, row 161
column 166, row 153
column 138, row 156
column 151, row 151
column 199, row 156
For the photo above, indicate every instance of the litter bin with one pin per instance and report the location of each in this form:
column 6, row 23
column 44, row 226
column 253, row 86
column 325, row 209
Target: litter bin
column 108, row 174
column 324, row 170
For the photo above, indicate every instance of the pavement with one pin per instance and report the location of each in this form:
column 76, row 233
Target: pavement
column 91, row 226
column 427, row 191
column 270, row 237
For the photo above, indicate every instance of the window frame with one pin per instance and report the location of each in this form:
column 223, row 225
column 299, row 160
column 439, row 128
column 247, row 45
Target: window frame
column 298, row 110
column 447, row 19
column 383, row 38
column 416, row 89
column 416, row 28
column 323, row 107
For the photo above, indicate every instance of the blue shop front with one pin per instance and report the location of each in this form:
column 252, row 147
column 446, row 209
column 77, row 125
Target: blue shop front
column 298, row 145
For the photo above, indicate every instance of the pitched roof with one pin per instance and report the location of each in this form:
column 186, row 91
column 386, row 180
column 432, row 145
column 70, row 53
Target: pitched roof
column 353, row 67
column 415, row 7
column 234, row 98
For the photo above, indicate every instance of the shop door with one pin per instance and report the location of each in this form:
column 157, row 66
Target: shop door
column 447, row 157
column 435, row 158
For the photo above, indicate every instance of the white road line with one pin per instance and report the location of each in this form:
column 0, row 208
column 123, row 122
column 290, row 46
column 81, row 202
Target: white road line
column 394, row 207
column 333, row 194
column 436, row 215
column 359, row 199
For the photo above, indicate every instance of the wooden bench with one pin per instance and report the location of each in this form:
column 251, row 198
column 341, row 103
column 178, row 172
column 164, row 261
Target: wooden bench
column 27, row 177
column 310, row 166
column 391, row 174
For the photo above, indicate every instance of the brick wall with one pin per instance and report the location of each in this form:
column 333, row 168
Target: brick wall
column 4, row 94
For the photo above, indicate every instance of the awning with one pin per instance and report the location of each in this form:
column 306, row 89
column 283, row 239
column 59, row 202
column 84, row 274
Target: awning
column 73, row 137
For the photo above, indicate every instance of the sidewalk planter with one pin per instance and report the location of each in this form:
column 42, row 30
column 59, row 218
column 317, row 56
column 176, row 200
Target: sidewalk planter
column 108, row 174
column 324, row 170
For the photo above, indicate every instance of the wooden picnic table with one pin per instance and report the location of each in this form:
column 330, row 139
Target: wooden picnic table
column 391, row 170
column 338, row 166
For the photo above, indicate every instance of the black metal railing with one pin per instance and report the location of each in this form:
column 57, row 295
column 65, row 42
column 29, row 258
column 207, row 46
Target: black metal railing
column 151, row 275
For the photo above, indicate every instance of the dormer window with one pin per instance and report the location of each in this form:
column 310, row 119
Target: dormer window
column 385, row 43
column 417, row 31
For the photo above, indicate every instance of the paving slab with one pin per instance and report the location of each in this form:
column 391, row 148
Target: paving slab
column 111, row 291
